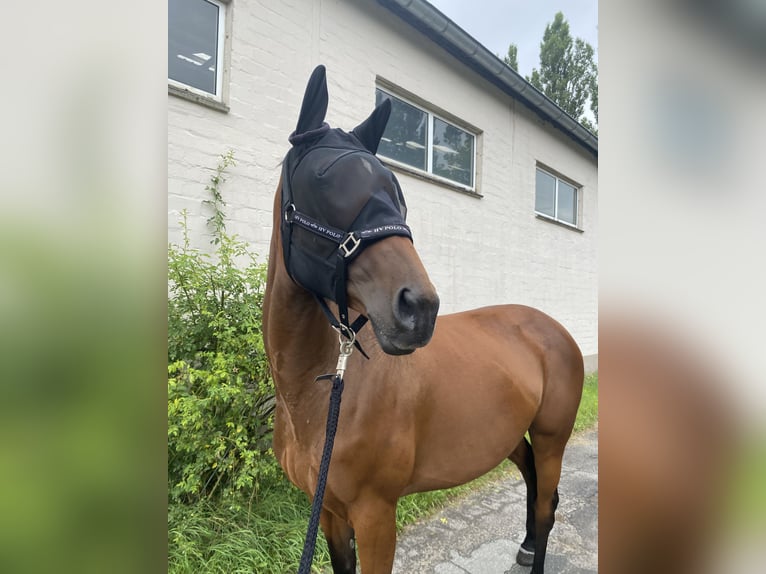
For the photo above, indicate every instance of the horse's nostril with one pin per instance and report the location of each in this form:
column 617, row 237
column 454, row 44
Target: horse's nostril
column 406, row 307
column 414, row 310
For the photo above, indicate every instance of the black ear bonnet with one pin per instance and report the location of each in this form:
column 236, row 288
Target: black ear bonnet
column 337, row 197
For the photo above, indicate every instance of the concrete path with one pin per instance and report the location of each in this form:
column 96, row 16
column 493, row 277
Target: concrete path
column 481, row 533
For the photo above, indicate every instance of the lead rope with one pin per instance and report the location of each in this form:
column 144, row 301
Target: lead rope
column 346, row 338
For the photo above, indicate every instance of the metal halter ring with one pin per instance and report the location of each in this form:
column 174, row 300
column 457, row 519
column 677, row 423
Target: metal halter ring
column 346, row 334
column 289, row 210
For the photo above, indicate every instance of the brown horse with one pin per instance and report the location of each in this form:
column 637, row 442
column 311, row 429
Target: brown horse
column 410, row 420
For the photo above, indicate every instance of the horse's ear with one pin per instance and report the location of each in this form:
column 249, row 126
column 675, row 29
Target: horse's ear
column 314, row 105
column 371, row 130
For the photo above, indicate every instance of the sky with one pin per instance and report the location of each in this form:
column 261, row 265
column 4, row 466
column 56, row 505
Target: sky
column 497, row 23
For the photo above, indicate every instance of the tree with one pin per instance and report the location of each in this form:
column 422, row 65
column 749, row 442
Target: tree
column 567, row 73
column 511, row 59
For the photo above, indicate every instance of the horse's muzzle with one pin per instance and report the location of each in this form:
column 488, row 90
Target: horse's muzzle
column 414, row 316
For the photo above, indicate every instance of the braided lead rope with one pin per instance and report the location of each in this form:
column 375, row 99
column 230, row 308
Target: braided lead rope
column 333, row 412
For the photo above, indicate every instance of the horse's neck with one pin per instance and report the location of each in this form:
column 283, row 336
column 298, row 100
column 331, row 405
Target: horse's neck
column 298, row 336
column 299, row 341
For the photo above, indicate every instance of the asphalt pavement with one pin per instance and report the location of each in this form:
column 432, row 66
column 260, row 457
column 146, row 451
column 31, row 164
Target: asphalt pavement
column 481, row 533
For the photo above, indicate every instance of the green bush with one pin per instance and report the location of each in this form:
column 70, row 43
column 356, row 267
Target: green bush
column 220, row 394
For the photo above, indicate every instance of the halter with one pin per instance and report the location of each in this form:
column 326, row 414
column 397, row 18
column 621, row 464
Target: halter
column 316, row 252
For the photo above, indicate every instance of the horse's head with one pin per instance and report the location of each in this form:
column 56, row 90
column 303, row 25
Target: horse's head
column 343, row 227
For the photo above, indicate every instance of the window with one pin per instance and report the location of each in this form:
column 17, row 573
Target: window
column 426, row 142
column 196, row 32
column 555, row 198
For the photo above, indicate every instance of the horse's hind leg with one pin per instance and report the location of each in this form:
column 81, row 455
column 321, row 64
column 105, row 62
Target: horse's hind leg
column 340, row 541
column 548, row 454
column 523, row 457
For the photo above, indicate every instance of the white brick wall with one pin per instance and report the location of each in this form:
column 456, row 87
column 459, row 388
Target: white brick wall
column 477, row 251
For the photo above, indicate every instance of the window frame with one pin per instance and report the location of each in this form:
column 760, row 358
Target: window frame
column 219, row 100
column 577, row 225
column 428, row 173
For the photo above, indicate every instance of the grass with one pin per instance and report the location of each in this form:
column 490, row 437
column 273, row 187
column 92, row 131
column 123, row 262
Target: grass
column 219, row 538
column 587, row 414
column 268, row 537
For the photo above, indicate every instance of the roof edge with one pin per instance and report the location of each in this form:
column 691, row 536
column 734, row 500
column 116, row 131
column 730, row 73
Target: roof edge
column 435, row 25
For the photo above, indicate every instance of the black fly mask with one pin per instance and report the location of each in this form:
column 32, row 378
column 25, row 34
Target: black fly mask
column 337, row 197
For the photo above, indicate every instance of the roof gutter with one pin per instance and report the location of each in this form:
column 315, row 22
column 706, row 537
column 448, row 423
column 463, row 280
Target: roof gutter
column 436, row 26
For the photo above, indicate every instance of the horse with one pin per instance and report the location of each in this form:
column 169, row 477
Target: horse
column 442, row 399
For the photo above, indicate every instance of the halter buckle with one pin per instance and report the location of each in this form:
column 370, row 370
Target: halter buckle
column 350, row 238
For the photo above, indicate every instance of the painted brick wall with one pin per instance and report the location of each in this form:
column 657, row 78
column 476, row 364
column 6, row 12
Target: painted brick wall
column 478, row 251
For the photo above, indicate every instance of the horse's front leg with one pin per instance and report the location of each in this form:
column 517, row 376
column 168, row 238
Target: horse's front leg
column 340, row 542
column 374, row 522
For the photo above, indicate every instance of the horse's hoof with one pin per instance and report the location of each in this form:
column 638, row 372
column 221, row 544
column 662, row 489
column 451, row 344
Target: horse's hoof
column 525, row 557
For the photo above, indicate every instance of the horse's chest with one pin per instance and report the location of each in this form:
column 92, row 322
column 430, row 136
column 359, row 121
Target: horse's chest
column 291, row 446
